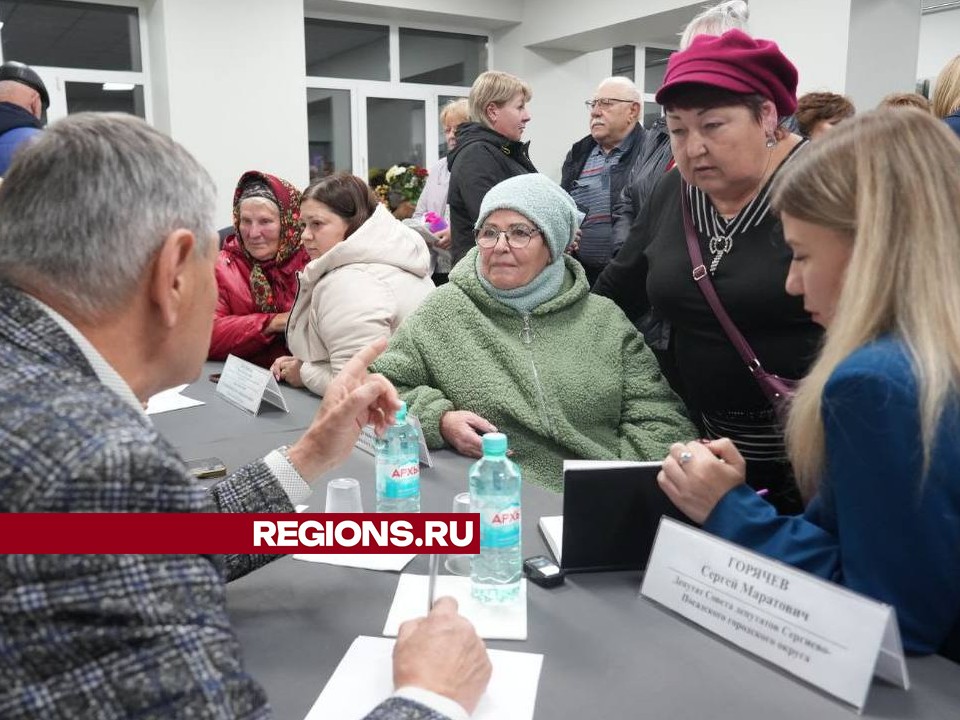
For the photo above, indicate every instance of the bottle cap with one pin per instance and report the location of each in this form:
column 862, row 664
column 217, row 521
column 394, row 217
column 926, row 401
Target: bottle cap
column 401, row 414
column 494, row 444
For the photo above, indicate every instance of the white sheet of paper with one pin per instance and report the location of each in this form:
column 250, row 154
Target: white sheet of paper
column 552, row 528
column 394, row 563
column 364, row 678
column 603, row 464
column 493, row 622
column 170, row 400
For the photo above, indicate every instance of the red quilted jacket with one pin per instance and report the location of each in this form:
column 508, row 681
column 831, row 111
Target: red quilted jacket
column 238, row 326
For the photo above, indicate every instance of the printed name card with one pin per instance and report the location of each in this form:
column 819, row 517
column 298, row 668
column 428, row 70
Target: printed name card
column 248, row 386
column 368, row 441
column 820, row 632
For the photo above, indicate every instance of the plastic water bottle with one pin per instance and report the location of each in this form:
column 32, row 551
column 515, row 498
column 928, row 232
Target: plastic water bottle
column 495, row 494
column 398, row 467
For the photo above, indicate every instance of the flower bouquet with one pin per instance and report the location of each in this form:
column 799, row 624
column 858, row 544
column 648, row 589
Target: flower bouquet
column 404, row 183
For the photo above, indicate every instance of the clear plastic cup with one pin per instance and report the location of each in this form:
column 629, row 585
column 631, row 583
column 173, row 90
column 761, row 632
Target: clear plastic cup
column 459, row 564
column 343, row 496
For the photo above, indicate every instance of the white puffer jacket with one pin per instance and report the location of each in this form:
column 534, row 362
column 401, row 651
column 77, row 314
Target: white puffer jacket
column 356, row 292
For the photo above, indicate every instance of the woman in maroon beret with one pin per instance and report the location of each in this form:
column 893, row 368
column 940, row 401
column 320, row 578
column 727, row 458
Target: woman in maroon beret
column 724, row 98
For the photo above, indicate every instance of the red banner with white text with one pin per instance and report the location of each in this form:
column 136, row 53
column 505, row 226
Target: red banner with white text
column 223, row 533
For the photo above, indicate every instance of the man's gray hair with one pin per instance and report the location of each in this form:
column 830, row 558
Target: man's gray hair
column 716, row 20
column 627, row 86
column 86, row 206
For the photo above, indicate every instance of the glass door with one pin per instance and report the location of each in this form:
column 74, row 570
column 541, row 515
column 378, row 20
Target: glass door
column 329, row 132
column 396, row 132
column 367, row 127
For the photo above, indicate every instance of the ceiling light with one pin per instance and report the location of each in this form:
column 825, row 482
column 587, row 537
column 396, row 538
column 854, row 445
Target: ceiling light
column 116, row 86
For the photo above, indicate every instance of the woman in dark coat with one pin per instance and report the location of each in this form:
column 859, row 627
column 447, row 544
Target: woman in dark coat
column 488, row 151
column 725, row 98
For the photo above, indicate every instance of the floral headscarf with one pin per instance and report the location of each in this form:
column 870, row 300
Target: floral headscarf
column 287, row 198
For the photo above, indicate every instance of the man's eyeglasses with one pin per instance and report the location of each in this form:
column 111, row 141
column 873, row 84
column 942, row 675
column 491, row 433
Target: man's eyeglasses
column 518, row 236
column 605, row 103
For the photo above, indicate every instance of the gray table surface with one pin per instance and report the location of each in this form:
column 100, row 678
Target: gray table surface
column 608, row 653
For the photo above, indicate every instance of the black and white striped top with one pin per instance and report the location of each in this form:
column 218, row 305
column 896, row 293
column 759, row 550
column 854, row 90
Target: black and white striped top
column 723, row 232
column 758, row 435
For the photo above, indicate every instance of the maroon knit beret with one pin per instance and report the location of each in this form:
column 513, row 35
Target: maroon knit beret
column 733, row 61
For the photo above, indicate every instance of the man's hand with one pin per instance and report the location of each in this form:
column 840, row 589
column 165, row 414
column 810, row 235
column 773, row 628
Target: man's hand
column 354, row 398
column 442, row 653
column 696, row 476
column 462, row 430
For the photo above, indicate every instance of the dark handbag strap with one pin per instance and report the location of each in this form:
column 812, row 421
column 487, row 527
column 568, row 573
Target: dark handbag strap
column 702, row 278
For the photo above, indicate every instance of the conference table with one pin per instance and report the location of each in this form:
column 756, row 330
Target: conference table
column 608, row 652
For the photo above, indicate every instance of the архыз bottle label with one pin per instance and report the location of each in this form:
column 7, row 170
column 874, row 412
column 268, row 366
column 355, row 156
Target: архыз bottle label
column 500, row 528
column 401, row 481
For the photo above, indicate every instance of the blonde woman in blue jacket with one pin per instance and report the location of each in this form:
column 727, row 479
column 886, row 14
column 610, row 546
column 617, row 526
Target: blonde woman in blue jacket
column 872, row 214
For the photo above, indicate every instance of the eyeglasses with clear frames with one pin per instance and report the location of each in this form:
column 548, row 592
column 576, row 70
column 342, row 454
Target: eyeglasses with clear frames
column 605, row 103
column 518, row 236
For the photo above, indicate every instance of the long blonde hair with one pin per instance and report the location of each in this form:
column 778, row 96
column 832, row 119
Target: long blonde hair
column 889, row 179
column 946, row 95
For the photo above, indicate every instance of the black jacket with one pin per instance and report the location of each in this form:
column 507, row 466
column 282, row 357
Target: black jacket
column 648, row 167
column 481, row 159
column 577, row 158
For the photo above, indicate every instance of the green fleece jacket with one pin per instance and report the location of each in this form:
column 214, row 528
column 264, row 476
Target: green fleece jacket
column 570, row 380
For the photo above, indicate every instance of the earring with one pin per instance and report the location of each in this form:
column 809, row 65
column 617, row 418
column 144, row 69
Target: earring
column 771, row 141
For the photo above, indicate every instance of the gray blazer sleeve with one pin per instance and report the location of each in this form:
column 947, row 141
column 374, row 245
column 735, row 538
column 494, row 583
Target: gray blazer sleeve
column 252, row 488
column 403, row 709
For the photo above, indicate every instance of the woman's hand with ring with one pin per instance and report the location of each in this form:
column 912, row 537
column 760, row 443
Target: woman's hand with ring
column 696, row 476
column 287, row 369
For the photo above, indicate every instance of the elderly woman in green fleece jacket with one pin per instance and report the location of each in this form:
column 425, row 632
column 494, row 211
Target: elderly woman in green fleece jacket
column 515, row 342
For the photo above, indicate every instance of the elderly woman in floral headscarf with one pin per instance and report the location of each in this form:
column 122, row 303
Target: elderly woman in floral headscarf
column 257, row 270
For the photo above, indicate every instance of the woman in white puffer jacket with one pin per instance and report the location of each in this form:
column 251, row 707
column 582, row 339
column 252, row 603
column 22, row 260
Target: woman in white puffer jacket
column 367, row 272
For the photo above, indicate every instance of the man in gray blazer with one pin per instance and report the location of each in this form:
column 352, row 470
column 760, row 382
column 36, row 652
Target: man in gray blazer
column 107, row 291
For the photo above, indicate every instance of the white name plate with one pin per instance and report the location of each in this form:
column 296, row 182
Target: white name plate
column 248, row 386
column 822, row 633
column 368, row 441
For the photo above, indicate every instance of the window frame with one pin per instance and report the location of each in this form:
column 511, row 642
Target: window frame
column 55, row 78
column 393, row 88
column 640, row 71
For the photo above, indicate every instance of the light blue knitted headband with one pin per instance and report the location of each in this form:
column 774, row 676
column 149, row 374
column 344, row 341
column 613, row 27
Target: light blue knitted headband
column 543, row 202
column 546, row 205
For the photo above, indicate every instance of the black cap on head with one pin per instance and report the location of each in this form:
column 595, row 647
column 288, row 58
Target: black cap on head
column 18, row 72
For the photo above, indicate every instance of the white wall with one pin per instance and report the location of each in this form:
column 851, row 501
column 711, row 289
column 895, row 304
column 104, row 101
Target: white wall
column 939, row 42
column 228, row 79
column 813, row 34
column 884, row 45
column 544, row 21
column 863, row 48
